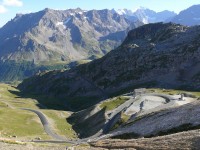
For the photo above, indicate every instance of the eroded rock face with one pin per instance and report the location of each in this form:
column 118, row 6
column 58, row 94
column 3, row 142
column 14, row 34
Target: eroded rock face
column 168, row 121
column 154, row 55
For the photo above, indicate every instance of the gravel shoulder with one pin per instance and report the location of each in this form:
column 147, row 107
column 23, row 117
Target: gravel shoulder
column 30, row 146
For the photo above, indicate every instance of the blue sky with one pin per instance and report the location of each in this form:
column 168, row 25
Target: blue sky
column 9, row 8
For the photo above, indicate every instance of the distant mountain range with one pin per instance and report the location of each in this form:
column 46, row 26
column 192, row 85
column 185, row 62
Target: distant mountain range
column 49, row 39
column 146, row 15
column 188, row 17
column 57, row 39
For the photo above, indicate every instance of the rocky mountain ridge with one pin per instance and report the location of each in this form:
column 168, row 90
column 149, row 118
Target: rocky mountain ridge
column 154, row 55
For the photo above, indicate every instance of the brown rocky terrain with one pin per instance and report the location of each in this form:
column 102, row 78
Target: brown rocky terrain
column 184, row 140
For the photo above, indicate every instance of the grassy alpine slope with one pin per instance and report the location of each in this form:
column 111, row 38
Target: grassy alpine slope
column 24, row 124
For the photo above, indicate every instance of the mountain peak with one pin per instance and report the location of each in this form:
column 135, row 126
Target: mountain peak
column 48, row 10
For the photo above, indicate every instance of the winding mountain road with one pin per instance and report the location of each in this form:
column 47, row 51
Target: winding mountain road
column 104, row 133
column 46, row 125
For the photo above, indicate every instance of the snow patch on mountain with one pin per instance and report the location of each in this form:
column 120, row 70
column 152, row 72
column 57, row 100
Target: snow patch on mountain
column 121, row 11
column 61, row 24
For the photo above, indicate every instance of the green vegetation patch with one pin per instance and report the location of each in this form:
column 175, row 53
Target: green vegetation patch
column 123, row 119
column 114, row 103
column 174, row 92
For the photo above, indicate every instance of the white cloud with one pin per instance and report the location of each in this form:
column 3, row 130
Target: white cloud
column 2, row 9
column 17, row 3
